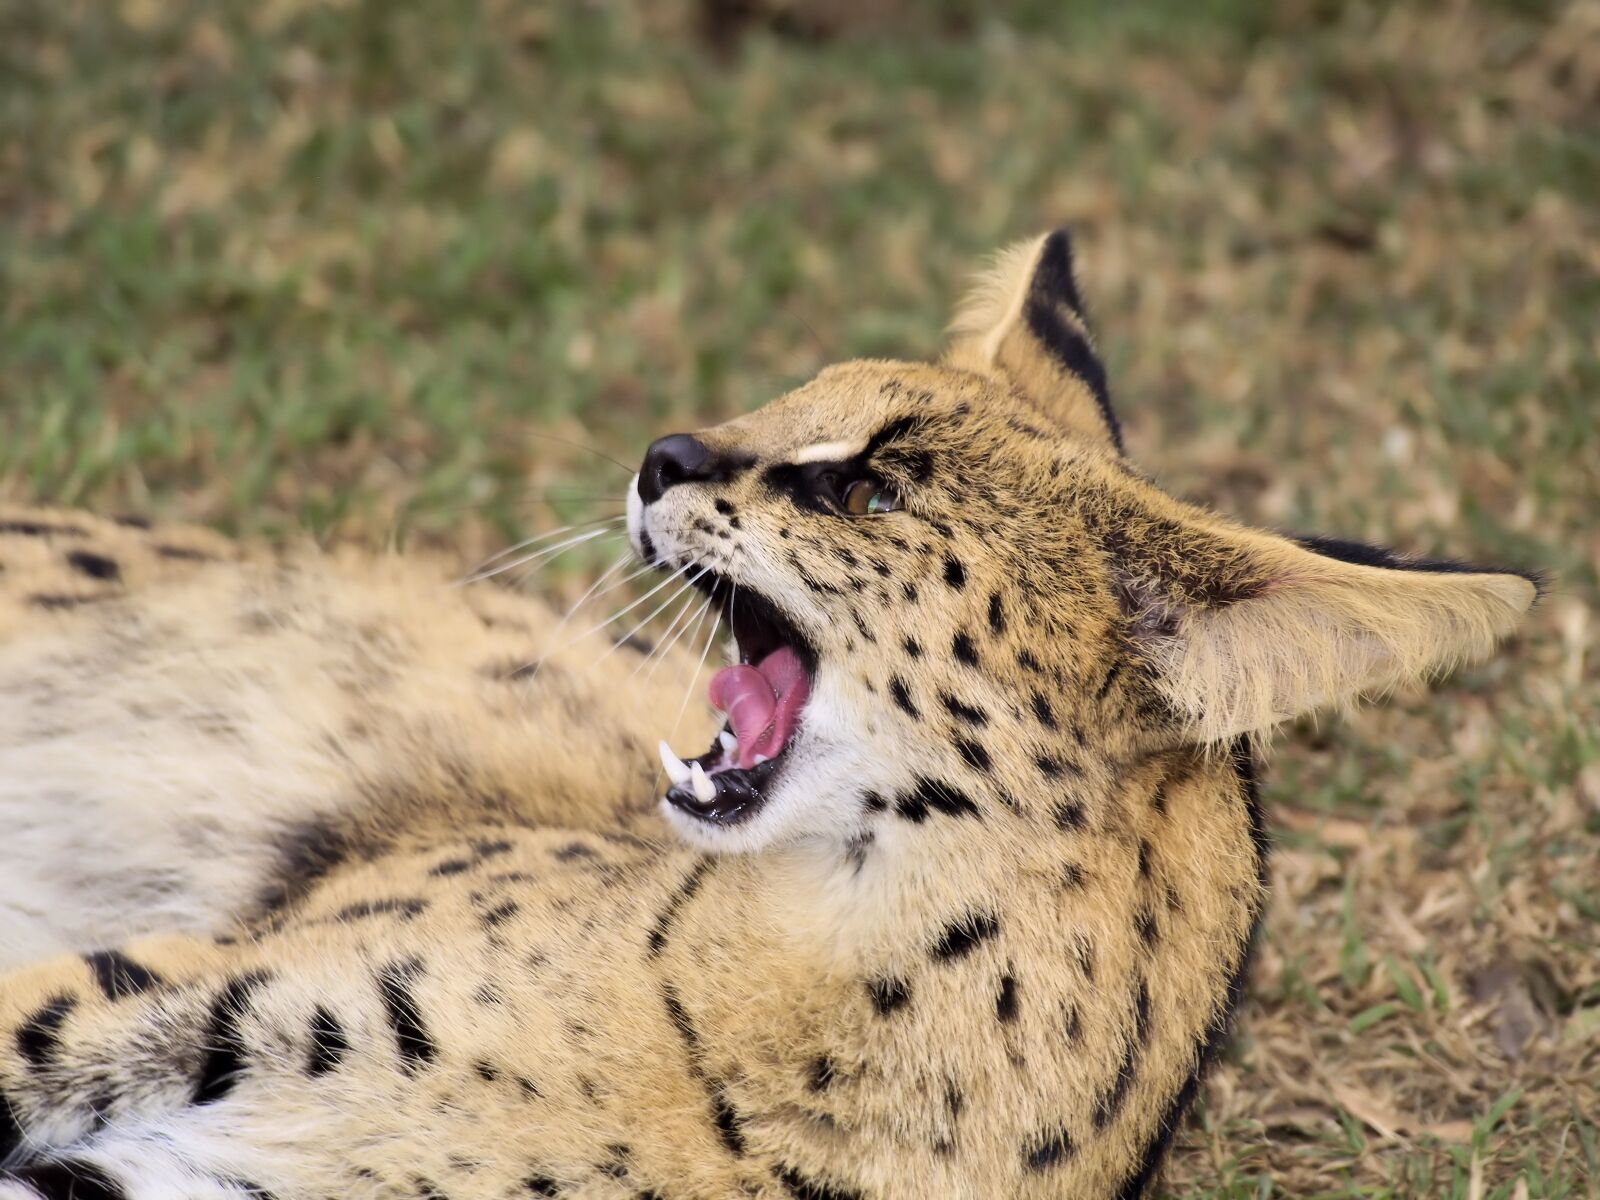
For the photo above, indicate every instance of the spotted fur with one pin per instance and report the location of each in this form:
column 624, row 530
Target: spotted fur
column 351, row 902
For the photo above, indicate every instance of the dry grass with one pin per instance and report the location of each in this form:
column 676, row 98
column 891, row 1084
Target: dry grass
column 284, row 265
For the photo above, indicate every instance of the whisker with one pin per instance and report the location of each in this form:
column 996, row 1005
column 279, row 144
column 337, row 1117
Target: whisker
column 669, row 638
column 545, row 553
column 550, row 437
column 624, row 612
column 478, row 572
column 654, row 613
column 695, row 676
column 544, row 651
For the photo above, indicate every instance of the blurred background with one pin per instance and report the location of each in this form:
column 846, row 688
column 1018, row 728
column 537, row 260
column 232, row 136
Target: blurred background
column 403, row 271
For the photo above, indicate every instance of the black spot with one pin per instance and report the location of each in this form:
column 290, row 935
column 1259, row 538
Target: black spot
column 488, row 849
column 1070, row 815
column 888, row 994
column 822, row 1074
column 119, row 976
column 910, row 590
column 411, row 1036
column 1049, row 767
column 1144, row 858
column 616, row 1166
column 1158, row 799
column 1006, row 1005
column 954, row 573
column 542, row 1185
column 961, row 937
column 964, row 650
column 132, row 521
column 224, row 1044
column 1028, row 662
column 68, row 1179
column 681, row 895
column 407, row 907
column 997, row 615
column 803, row 1188
column 328, row 1042
column 902, row 697
column 975, row 755
column 573, row 850
column 913, row 648
column 451, row 866
column 933, row 795
column 873, row 802
column 722, row 506
column 1145, row 925
column 1111, row 678
column 306, row 852
column 1043, row 711
column 1073, row 877
column 1083, row 951
column 40, row 1035
column 95, row 566
column 1047, row 1149
column 500, row 913
column 963, row 711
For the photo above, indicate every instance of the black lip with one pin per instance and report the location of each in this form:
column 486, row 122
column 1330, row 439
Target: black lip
column 740, row 793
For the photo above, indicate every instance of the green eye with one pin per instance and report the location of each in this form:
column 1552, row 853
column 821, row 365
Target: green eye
column 864, row 498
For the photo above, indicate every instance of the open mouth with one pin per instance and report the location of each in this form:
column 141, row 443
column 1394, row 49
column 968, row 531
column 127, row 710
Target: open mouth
column 763, row 697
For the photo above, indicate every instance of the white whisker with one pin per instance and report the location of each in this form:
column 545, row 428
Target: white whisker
column 546, row 553
column 669, row 638
column 716, row 619
column 523, row 545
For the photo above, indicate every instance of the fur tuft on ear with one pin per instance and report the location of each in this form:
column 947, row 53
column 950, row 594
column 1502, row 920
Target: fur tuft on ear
column 1242, row 629
column 1024, row 322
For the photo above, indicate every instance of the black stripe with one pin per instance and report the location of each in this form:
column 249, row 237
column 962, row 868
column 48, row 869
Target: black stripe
column 69, row 1179
column 39, row 1036
column 1221, row 1025
column 119, row 976
column 405, row 1015
column 684, row 892
column 10, row 1129
column 1365, row 555
column 224, row 1046
column 1053, row 284
column 728, row 1122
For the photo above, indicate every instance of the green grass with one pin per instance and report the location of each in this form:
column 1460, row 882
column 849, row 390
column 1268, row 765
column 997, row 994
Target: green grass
column 368, row 270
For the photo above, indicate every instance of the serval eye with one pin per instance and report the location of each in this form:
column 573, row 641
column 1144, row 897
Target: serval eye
column 866, row 498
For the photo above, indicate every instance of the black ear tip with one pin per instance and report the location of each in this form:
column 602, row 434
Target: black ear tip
column 1054, row 278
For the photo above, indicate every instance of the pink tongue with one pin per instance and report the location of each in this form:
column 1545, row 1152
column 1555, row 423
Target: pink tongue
column 762, row 702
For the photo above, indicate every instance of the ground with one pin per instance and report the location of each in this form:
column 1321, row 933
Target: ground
column 367, row 270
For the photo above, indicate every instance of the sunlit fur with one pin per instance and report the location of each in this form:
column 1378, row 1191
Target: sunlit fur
column 980, row 941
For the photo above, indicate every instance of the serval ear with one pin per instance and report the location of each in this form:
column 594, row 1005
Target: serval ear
column 1024, row 322
column 1240, row 629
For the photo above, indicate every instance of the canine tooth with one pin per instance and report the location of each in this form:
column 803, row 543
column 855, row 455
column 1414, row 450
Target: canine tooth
column 729, row 742
column 677, row 769
column 761, row 758
column 704, row 790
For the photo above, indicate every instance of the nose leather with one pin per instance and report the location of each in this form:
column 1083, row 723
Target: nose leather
column 674, row 459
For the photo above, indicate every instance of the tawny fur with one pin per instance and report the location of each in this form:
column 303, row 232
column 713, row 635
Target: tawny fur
column 411, row 922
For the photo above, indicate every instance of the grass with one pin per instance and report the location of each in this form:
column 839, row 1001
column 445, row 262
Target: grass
column 368, row 269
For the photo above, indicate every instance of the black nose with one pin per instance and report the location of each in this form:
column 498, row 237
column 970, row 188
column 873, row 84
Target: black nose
column 674, row 459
